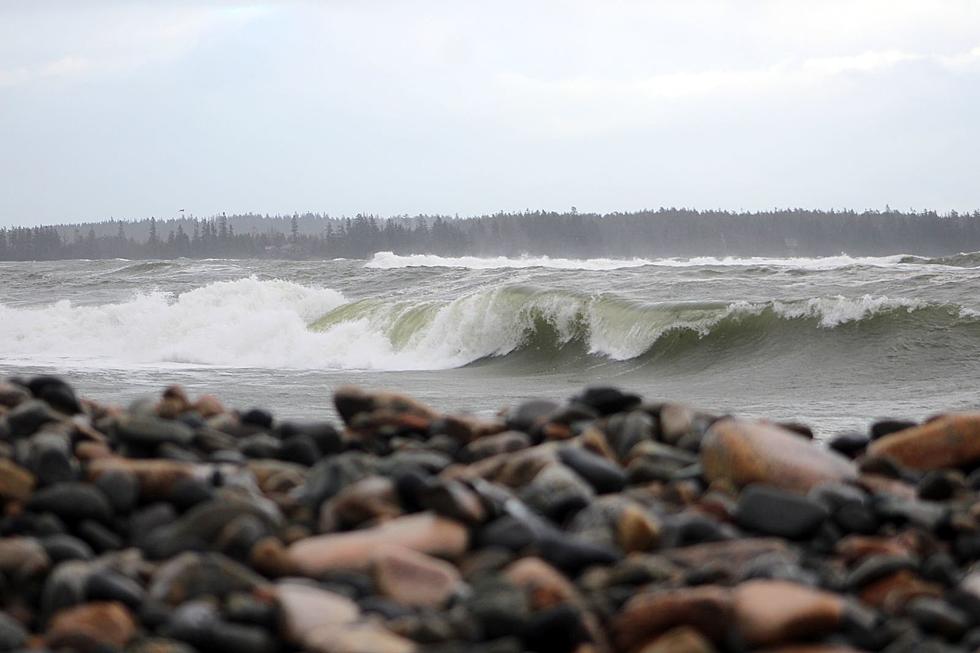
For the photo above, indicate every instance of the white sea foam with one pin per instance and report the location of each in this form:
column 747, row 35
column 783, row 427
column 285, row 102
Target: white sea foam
column 388, row 261
column 279, row 324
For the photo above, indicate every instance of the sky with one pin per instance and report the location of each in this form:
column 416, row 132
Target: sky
column 137, row 108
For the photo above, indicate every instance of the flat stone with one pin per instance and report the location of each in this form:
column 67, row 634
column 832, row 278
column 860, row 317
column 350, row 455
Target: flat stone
column 190, row 575
column 492, row 445
column 351, row 401
column 150, row 431
column 772, row 511
column 27, row 417
column 769, row 612
column 357, row 638
column 937, row 616
column 422, row 532
column 557, row 492
column 90, row 626
column 371, row 499
column 156, row 477
column 412, row 578
column 708, row 609
column 948, row 441
column 304, row 608
column 741, row 452
column 72, row 502
column 15, row 482
column 603, row 475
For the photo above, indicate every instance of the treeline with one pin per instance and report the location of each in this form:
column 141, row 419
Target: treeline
column 664, row 232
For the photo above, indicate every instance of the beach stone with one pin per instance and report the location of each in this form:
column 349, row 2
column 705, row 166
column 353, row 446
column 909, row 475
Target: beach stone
column 200, row 527
column 557, row 492
column 156, row 477
column 151, row 431
column 61, row 547
column 12, row 395
column 884, row 427
column 850, row 444
column 603, row 475
column 772, row 511
column 498, row 607
column 607, row 400
column 892, row 592
column 530, row 414
column 422, row 532
column 72, row 502
column 708, row 609
column 29, row 416
column 90, row 626
column 304, row 608
column 121, row 489
column 412, row 578
column 57, row 392
column 22, row 557
column 50, row 458
column 190, row 575
column 556, row 630
column 357, row 638
column 682, row 639
column 626, row 430
column 351, row 401
column 948, row 441
column 99, row 537
column 769, row 612
column 159, row 645
column 111, row 586
column 742, row 452
column 300, row 449
column 493, row 445
column 13, row 635
column 937, row 616
column 373, row 498
column 16, row 483
column 452, row 499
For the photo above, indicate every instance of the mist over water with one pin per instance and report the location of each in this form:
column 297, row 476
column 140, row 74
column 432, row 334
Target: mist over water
column 834, row 341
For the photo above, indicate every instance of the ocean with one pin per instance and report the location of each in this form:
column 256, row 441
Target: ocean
column 833, row 342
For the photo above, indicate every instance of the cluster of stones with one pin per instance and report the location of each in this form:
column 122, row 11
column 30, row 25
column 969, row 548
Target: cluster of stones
column 605, row 524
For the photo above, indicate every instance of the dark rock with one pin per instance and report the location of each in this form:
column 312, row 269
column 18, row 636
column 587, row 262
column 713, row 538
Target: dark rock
column 73, row 502
column 626, row 430
column 100, row 538
column 60, row 397
column 260, row 445
column 498, row 608
column 940, row 567
column 492, row 445
column 607, row 401
column 574, row 555
column 189, row 492
column 66, row 547
column 246, row 609
column 507, row 532
column 876, row 567
column 147, row 519
column 121, row 488
column 111, row 586
column 530, row 414
column 937, row 616
column 557, row 630
column 149, row 431
column 50, row 458
column 300, row 449
column 940, row 485
column 689, row 528
column 922, row 514
column 775, row 512
column 851, row 444
column 257, row 417
column 328, row 440
column 557, row 493
column 603, row 475
column 29, row 416
column 885, row 427
column 13, row 635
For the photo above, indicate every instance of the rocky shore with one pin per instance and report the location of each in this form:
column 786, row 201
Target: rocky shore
column 608, row 523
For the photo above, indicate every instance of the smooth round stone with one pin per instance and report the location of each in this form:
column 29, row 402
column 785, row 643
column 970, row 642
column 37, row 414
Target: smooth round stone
column 151, row 431
column 743, row 452
column 689, row 528
column 189, row 492
column 876, row 567
column 72, row 502
column 884, row 427
column 573, row 555
column 774, row 612
column 603, row 475
column 29, row 416
column 530, row 414
column 13, row 635
column 247, row 609
column 506, row 532
column 66, row 547
column 850, row 444
column 940, row 485
column 121, row 488
column 946, row 442
column 937, row 616
column 100, row 538
column 260, row 445
column 772, row 511
column 608, row 400
column 626, row 430
column 90, row 627
column 257, row 417
column 492, row 445
column 557, row 493
column 111, row 586
column 300, row 449
column 498, row 608
column 15, row 481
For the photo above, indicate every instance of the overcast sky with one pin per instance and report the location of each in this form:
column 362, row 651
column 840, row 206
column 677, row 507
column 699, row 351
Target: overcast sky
column 133, row 108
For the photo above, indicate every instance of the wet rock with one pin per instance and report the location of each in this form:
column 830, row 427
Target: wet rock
column 946, row 442
column 121, row 489
column 72, row 502
column 412, row 578
column 603, row 475
column 156, row 477
column 708, row 609
column 13, row 635
column 12, row 395
column 607, row 400
column 556, row 630
column 451, row 499
column 742, row 452
column 190, row 575
column 682, row 639
column 29, row 416
column 771, row 511
column 63, row 547
column 358, row 638
column 884, row 427
column 111, row 586
column 769, row 612
column 422, row 532
column 530, row 414
column 91, row 626
column 150, row 431
column 352, row 402
column 498, row 608
column 850, row 444
column 98, row 536
column 625, row 431
column 15, row 482
column 937, row 616
column 493, row 445
column 557, row 493
column 373, row 498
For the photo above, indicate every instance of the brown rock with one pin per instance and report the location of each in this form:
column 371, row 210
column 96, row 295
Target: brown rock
column 733, row 554
column 546, row 587
column 771, row 612
column 352, row 401
column 891, row 593
column 948, row 441
column 741, row 452
column 412, row 578
column 303, row 609
column 15, row 481
column 506, row 442
column 371, row 499
column 208, row 406
column 467, row 428
column 682, row 639
column 853, row 548
column 676, row 421
column 156, row 477
column 12, row 395
column 357, row 638
column 89, row 451
column 22, row 556
column 422, row 532
column 636, row 530
column 707, row 609
column 90, row 626
column 269, row 557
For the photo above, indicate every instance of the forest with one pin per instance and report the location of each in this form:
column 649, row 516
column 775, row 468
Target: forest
column 652, row 233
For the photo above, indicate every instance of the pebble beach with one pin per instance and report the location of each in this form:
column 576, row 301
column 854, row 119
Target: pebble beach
column 606, row 522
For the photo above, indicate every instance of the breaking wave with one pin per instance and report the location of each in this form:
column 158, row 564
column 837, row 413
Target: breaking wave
column 280, row 324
